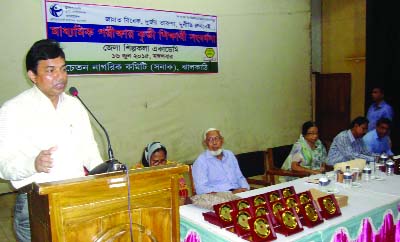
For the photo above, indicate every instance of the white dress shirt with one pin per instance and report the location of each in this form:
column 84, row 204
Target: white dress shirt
column 29, row 123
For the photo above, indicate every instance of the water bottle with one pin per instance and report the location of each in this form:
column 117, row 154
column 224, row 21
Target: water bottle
column 366, row 174
column 383, row 158
column 347, row 177
column 323, row 182
column 389, row 167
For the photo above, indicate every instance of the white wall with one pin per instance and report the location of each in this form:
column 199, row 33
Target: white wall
column 259, row 98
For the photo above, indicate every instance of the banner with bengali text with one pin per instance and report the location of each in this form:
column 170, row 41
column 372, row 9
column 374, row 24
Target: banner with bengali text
column 101, row 39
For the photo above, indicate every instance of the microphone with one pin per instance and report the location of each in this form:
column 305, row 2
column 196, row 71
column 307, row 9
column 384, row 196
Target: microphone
column 111, row 164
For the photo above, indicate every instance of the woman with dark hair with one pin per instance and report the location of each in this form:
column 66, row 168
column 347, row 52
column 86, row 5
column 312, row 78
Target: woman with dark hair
column 308, row 153
column 155, row 154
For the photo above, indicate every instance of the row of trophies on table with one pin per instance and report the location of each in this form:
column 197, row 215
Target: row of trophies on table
column 284, row 211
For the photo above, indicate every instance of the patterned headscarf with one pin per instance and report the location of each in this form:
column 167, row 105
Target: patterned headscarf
column 150, row 149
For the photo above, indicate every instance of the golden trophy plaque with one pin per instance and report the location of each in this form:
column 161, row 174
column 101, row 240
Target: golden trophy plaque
column 222, row 215
column 241, row 221
column 224, row 212
column 290, row 222
column 258, row 200
column 260, row 211
column 273, row 196
column 305, row 197
column 276, row 207
column 288, row 191
column 329, row 206
column 241, row 204
column 261, row 229
column 310, row 216
column 292, row 202
column 260, row 206
column 311, row 212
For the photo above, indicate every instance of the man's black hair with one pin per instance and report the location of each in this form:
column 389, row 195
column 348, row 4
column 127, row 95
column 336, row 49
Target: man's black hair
column 42, row 50
column 359, row 121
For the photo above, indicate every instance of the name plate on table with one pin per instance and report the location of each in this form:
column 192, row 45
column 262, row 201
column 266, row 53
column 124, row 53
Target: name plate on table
column 329, row 206
column 289, row 223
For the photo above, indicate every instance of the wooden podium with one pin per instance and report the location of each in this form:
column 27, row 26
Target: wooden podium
column 95, row 208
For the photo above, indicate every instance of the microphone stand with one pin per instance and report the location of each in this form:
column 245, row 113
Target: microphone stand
column 111, row 164
column 110, row 151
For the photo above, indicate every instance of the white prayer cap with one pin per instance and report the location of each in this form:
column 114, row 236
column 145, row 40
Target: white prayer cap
column 209, row 130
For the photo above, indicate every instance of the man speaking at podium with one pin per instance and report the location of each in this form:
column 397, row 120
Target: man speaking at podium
column 45, row 135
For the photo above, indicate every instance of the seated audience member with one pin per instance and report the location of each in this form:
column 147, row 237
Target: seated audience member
column 378, row 140
column 217, row 169
column 349, row 145
column 155, row 154
column 379, row 108
column 308, row 154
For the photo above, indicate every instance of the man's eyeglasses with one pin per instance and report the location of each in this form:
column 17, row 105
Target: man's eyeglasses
column 212, row 139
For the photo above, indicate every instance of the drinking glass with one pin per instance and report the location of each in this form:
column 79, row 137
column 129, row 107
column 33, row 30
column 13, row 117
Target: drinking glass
column 379, row 170
column 374, row 166
column 356, row 177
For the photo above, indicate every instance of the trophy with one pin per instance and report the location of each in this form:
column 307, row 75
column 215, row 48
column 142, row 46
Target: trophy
column 241, row 204
column 222, row 215
column 276, row 207
column 241, row 221
column 257, row 200
column 261, row 207
column 273, row 196
column 288, row 191
column 292, row 201
column 310, row 216
column 261, row 210
column 305, row 197
column 261, row 229
column 329, row 206
column 289, row 222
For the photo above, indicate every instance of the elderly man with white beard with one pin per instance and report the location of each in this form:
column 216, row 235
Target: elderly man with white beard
column 217, row 169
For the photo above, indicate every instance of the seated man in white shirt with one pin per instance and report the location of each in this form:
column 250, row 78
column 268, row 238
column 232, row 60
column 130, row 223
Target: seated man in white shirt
column 217, row 169
column 45, row 135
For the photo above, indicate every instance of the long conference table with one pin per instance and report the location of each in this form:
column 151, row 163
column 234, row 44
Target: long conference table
column 372, row 214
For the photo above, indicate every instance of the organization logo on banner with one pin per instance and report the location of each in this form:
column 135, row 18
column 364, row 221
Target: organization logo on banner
column 56, row 10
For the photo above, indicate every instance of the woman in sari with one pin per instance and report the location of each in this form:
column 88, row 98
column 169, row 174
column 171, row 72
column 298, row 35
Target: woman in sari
column 308, row 153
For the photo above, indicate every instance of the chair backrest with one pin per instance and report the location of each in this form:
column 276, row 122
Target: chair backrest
column 276, row 157
column 191, row 180
column 251, row 163
column 279, row 155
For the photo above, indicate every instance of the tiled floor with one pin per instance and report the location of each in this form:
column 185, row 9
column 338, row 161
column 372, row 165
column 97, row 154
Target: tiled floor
column 6, row 217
